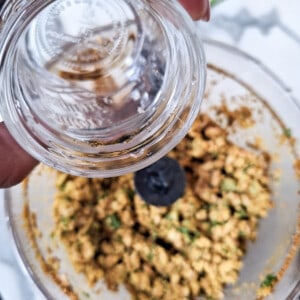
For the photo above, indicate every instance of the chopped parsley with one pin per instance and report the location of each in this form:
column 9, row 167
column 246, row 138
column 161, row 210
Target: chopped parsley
column 66, row 220
column 242, row 234
column 247, row 167
column 62, row 186
column 78, row 245
column 206, row 206
column 269, row 281
column 214, row 2
column 150, row 256
column 130, row 193
column 191, row 236
column 169, row 217
column 242, row 214
column 254, row 188
column 214, row 155
column 104, row 195
column 113, row 221
column 287, row 132
column 225, row 250
column 154, row 236
column 195, row 235
column 119, row 238
column 95, row 226
column 87, row 295
column 215, row 223
column 183, row 230
column 228, row 185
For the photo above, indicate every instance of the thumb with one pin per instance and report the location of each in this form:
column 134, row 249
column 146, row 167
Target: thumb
column 15, row 163
column 198, row 9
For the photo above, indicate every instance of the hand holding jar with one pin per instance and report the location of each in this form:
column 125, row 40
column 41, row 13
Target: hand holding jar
column 16, row 163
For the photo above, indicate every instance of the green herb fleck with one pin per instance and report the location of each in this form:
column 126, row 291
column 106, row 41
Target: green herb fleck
column 247, row 167
column 228, row 185
column 183, row 230
column 65, row 220
column 154, row 236
column 195, row 235
column 104, row 195
column 87, row 295
column 206, row 206
column 130, row 193
column 215, row 223
column 95, row 226
column 287, row 132
column 119, row 238
column 214, row 155
column 190, row 235
column 254, row 188
column 78, row 245
column 62, row 186
column 212, row 3
column 165, row 284
column 225, row 250
column 242, row 214
column 169, row 226
column 169, row 217
column 113, row 221
column 150, row 256
column 269, row 281
column 242, row 234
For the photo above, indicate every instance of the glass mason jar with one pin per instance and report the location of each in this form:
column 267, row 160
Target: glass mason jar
column 99, row 88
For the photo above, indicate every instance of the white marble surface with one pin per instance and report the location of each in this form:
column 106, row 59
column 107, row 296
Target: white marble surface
column 14, row 284
column 269, row 30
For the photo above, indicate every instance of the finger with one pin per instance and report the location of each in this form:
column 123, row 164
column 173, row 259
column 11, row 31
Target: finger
column 198, row 9
column 15, row 163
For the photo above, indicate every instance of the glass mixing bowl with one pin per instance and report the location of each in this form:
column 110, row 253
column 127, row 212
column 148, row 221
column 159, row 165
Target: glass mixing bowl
column 239, row 80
